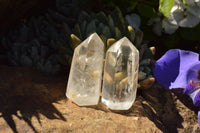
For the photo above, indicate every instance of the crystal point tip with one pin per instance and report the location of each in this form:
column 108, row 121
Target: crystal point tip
column 85, row 76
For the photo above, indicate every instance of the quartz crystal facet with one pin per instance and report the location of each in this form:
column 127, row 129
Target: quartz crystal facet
column 120, row 75
column 85, row 78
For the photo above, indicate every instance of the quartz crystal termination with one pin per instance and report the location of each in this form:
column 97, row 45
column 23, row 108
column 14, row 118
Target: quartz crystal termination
column 120, row 75
column 85, row 78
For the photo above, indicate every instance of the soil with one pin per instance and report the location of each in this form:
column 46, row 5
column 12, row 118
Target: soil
column 32, row 102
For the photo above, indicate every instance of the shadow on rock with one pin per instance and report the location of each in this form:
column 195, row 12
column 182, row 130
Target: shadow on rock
column 156, row 103
column 185, row 99
column 159, row 106
column 25, row 93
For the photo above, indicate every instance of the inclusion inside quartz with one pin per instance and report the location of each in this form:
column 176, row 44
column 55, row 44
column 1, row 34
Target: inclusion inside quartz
column 85, row 77
column 120, row 75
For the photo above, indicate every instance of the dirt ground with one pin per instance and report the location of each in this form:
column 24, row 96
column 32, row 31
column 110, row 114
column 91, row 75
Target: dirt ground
column 32, row 102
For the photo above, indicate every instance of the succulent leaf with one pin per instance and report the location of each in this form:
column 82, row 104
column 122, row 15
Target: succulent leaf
column 91, row 28
column 106, row 32
column 102, row 17
column 118, row 19
column 117, row 33
column 141, row 75
column 132, row 33
column 110, row 41
column 74, row 41
column 84, row 16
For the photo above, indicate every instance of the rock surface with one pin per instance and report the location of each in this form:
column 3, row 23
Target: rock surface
column 31, row 102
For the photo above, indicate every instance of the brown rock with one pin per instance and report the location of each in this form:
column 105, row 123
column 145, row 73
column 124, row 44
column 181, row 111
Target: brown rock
column 31, row 102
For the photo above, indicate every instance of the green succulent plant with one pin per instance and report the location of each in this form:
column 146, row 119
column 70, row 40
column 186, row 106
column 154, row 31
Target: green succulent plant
column 37, row 43
column 146, row 62
column 46, row 43
column 111, row 28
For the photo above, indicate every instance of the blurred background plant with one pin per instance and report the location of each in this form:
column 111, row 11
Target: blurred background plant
column 110, row 28
column 165, row 23
column 46, row 41
column 36, row 41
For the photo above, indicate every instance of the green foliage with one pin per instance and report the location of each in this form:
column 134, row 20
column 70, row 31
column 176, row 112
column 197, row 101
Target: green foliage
column 148, row 9
column 45, row 42
column 110, row 28
column 37, row 43
column 165, row 7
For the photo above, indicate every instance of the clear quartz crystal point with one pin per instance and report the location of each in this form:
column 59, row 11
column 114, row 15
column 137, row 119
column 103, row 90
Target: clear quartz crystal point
column 120, row 75
column 85, row 78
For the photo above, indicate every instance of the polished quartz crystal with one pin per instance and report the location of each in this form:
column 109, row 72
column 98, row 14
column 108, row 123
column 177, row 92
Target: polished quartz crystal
column 85, row 78
column 120, row 75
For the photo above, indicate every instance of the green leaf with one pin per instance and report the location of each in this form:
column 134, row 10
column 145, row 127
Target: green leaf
column 102, row 17
column 146, row 10
column 91, row 27
column 184, row 2
column 165, row 7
